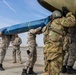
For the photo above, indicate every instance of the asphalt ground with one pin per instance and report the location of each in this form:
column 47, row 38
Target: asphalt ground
column 16, row 68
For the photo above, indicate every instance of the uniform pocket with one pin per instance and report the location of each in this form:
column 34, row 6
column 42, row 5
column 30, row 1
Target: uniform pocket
column 54, row 47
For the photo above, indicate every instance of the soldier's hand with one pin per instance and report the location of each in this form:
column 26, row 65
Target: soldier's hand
column 64, row 10
column 49, row 61
column 28, row 51
column 0, row 34
column 15, row 45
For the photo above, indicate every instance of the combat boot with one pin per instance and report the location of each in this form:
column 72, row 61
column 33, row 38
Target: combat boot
column 20, row 62
column 1, row 67
column 70, row 70
column 24, row 72
column 64, row 69
column 14, row 61
column 19, row 59
column 31, row 71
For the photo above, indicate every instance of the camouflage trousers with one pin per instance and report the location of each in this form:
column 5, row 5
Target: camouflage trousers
column 16, row 49
column 32, row 57
column 53, row 63
column 70, row 56
column 3, row 51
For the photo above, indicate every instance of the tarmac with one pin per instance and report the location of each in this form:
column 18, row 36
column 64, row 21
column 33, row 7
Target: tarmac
column 16, row 68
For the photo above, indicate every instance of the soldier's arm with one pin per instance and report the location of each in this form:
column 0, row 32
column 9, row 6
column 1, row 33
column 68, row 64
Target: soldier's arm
column 19, row 41
column 33, row 31
column 58, row 31
column 68, row 21
column 13, row 38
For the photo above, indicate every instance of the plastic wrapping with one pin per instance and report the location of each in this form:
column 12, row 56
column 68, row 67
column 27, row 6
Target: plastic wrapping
column 24, row 27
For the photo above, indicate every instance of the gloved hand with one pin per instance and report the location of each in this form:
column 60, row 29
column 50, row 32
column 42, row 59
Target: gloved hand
column 64, row 10
column 42, row 25
column 0, row 34
column 49, row 61
column 28, row 51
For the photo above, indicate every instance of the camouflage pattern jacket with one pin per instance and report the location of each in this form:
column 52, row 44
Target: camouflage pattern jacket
column 32, row 36
column 53, row 39
column 17, row 41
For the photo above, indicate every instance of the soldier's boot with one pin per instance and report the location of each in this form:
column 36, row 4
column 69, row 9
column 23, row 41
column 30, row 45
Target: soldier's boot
column 19, row 57
column 24, row 72
column 20, row 61
column 14, row 61
column 31, row 71
column 64, row 69
column 70, row 70
column 1, row 67
column 14, row 58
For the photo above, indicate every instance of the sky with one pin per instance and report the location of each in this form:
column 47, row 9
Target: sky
column 13, row 12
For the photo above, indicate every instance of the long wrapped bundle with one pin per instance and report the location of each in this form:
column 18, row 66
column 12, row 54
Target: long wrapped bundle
column 24, row 27
column 2, row 30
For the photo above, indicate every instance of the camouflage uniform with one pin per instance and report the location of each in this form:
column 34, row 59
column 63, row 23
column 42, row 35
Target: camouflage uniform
column 54, row 34
column 16, row 48
column 70, row 56
column 32, row 56
column 5, row 43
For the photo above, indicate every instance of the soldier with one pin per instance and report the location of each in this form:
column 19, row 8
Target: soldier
column 16, row 48
column 54, row 34
column 70, row 56
column 5, row 43
column 32, row 52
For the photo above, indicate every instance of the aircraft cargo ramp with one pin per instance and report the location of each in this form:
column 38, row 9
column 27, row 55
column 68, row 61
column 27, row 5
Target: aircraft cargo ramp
column 58, row 4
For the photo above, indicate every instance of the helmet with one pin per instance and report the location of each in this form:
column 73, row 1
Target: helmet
column 56, row 14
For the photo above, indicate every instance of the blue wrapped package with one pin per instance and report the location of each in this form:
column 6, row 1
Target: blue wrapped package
column 24, row 27
column 2, row 30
